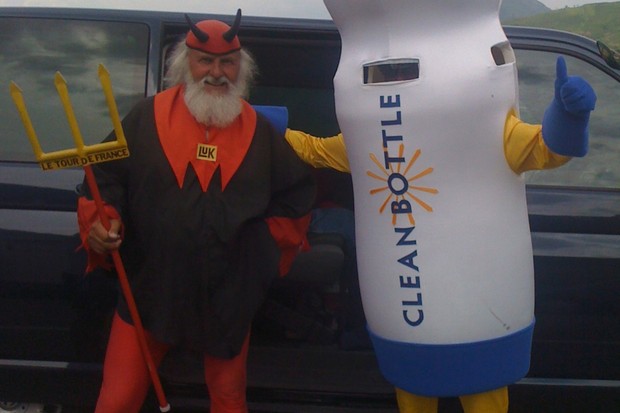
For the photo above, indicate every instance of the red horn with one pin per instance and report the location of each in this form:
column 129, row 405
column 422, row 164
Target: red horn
column 230, row 34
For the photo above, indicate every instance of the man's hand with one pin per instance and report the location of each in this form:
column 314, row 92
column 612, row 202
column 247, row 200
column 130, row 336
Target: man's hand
column 103, row 241
column 565, row 123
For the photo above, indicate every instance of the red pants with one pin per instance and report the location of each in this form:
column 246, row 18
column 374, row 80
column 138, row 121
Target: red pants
column 126, row 380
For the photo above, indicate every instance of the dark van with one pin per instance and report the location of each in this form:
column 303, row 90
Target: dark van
column 54, row 320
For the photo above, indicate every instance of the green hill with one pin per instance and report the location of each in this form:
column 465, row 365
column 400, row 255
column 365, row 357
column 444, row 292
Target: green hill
column 515, row 9
column 598, row 21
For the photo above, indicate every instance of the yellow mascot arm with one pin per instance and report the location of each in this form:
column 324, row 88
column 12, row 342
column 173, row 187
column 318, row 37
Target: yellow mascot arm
column 319, row 152
column 525, row 149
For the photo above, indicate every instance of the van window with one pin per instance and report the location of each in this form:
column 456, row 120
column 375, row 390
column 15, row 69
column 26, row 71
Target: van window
column 392, row 70
column 298, row 72
column 600, row 167
column 32, row 50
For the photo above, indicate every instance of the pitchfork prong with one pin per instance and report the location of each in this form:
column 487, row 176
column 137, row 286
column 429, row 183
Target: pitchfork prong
column 18, row 98
column 106, row 85
column 63, row 92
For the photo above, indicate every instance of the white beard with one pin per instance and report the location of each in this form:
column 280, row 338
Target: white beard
column 210, row 109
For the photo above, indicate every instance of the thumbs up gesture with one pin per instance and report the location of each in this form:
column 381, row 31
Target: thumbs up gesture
column 566, row 120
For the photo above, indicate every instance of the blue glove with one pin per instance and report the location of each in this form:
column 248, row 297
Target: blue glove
column 565, row 123
column 276, row 115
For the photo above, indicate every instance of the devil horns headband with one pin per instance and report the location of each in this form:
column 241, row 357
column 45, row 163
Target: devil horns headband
column 214, row 36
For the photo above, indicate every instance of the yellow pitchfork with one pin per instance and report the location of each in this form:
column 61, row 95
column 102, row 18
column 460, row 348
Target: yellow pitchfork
column 84, row 156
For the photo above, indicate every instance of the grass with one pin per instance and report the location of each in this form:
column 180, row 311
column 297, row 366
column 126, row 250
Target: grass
column 598, row 21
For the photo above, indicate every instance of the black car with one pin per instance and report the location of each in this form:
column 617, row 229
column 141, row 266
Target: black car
column 54, row 319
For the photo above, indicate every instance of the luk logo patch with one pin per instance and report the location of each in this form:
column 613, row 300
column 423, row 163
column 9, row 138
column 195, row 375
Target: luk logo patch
column 206, row 152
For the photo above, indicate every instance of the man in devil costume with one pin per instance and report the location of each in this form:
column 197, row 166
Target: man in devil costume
column 195, row 211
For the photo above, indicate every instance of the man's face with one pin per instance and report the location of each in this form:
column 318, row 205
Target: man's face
column 215, row 71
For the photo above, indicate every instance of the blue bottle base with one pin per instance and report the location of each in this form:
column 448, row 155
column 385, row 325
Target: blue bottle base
column 455, row 369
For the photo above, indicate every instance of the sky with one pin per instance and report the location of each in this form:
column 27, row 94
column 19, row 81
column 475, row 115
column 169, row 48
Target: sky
column 313, row 9
column 560, row 4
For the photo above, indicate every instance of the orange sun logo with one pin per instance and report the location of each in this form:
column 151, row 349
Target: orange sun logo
column 400, row 187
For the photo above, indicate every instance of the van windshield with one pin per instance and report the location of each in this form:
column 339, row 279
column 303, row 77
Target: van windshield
column 32, row 50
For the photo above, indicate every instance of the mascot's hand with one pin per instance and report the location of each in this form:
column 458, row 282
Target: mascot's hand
column 565, row 123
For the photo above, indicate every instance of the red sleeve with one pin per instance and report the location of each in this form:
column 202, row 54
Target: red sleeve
column 290, row 235
column 87, row 216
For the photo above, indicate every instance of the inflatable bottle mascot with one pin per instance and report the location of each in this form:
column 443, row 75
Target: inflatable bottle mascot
column 424, row 89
